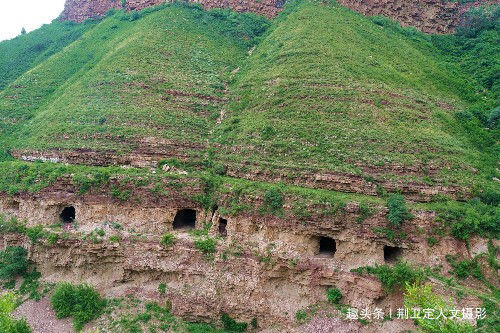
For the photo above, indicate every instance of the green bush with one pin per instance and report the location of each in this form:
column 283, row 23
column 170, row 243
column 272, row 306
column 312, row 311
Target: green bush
column 398, row 212
column 392, row 276
column 334, row 295
column 114, row 239
column 232, row 325
column 11, row 225
column 122, row 195
column 13, row 262
column 423, row 297
column 162, row 288
column 207, row 245
column 81, row 302
column 273, row 200
column 464, row 268
column 52, row 238
column 167, row 240
column 35, row 233
column 7, row 323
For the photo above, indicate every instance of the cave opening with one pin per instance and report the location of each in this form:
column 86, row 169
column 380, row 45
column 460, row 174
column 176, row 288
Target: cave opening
column 13, row 205
column 392, row 253
column 222, row 227
column 327, row 246
column 68, row 214
column 185, row 219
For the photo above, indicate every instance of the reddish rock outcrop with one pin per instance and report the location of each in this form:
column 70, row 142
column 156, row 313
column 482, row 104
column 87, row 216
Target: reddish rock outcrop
column 431, row 16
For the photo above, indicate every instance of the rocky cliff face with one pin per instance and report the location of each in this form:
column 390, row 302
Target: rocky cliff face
column 79, row 10
column 431, row 16
column 264, row 266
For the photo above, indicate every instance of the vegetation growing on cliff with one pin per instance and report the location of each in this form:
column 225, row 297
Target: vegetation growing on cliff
column 81, row 302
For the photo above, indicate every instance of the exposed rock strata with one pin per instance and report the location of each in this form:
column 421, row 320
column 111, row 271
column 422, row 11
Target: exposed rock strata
column 266, row 267
column 431, row 16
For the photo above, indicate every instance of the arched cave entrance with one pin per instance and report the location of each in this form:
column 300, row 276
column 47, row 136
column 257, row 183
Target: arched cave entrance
column 68, row 214
column 392, row 253
column 185, row 219
column 222, row 227
column 327, row 246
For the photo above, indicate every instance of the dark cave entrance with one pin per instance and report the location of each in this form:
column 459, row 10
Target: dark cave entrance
column 222, row 227
column 14, row 205
column 392, row 253
column 68, row 214
column 327, row 246
column 185, row 219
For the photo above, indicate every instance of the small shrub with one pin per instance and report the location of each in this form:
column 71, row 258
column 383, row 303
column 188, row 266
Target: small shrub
column 232, row 325
column 301, row 315
column 114, row 239
column 423, row 297
column 334, row 295
column 81, row 302
column 35, row 233
column 167, row 240
column 122, row 195
column 273, row 200
column 100, row 232
column 207, row 245
column 52, row 238
column 13, row 262
column 254, row 323
column 162, row 288
column 398, row 212
column 7, row 323
column 464, row 268
column 392, row 276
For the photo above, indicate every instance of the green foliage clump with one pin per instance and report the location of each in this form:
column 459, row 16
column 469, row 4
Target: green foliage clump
column 52, row 238
column 464, row 268
column 7, row 323
column 162, row 288
column 114, row 239
column 11, row 225
column 167, row 240
column 398, row 212
column 207, row 246
column 232, row 325
column 300, row 315
column 422, row 297
column 473, row 217
column 120, row 194
column 273, row 200
column 13, row 262
column 82, row 302
column 35, row 233
column 393, row 276
column 334, row 295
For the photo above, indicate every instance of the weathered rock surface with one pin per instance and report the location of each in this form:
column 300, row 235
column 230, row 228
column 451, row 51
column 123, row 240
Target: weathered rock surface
column 431, row 16
column 264, row 266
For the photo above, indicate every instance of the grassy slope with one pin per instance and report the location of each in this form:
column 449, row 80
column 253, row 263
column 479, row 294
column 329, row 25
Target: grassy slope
column 326, row 89
column 25, row 51
column 109, row 89
column 329, row 89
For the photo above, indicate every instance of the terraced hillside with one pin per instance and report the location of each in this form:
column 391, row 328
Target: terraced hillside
column 248, row 173
column 328, row 95
column 152, row 86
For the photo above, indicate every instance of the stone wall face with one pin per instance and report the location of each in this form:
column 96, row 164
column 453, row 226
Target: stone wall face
column 79, row 10
column 431, row 16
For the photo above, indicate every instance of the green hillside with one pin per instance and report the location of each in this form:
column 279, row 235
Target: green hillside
column 331, row 90
column 320, row 89
column 155, row 74
column 25, row 51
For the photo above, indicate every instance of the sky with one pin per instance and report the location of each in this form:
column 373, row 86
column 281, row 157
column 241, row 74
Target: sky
column 30, row 14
